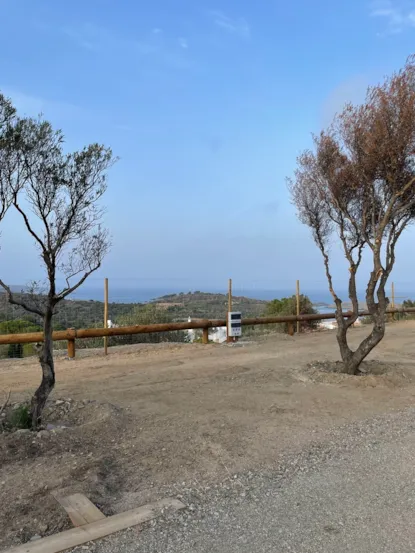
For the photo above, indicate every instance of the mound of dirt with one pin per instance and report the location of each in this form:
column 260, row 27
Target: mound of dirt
column 59, row 414
column 72, row 452
column 371, row 373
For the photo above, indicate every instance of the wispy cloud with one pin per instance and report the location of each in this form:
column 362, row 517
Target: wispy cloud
column 236, row 26
column 154, row 45
column 183, row 43
column 397, row 15
column 124, row 128
column 87, row 37
column 99, row 39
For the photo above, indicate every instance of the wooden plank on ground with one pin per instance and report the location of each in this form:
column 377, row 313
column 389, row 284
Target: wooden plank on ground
column 80, row 509
column 99, row 529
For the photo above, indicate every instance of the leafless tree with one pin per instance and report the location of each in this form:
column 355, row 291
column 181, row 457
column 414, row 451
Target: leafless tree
column 57, row 196
column 359, row 183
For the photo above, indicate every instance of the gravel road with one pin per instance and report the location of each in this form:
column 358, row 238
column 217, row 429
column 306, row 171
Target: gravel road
column 354, row 493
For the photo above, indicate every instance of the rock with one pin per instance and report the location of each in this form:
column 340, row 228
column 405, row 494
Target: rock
column 59, row 402
column 35, row 537
column 23, row 431
column 53, row 427
column 58, row 429
column 43, row 434
column 43, row 528
column 16, row 406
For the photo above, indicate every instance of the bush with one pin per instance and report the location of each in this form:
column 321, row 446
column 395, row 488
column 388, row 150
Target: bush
column 405, row 316
column 147, row 315
column 15, row 351
column 367, row 320
column 29, row 350
column 20, row 417
column 288, row 306
column 144, row 315
column 17, row 326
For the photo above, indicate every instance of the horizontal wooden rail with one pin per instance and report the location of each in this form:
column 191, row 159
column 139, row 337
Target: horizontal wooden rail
column 316, row 317
column 72, row 334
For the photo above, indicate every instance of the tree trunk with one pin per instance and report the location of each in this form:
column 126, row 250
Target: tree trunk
column 353, row 359
column 48, row 373
column 351, row 365
column 341, row 336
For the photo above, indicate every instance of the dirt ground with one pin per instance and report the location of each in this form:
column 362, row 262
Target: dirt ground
column 148, row 418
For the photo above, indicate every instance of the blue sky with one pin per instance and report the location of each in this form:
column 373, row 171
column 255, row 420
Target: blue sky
column 207, row 104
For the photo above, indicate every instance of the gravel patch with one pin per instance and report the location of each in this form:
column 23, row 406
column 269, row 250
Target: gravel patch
column 355, row 492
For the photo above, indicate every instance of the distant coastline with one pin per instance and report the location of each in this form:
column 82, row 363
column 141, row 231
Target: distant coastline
column 143, row 295
column 320, row 298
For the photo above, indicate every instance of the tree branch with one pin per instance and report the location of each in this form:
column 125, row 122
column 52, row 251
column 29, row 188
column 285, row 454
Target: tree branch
column 326, row 260
column 11, row 299
column 389, row 209
column 352, row 286
column 28, row 226
column 67, row 291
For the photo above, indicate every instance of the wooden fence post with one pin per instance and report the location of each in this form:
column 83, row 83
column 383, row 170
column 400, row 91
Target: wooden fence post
column 106, row 315
column 291, row 329
column 205, row 337
column 229, row 338
column 71, row 347
column 297, row 293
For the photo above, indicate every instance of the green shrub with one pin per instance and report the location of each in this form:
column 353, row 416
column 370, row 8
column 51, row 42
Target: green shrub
column 406, row 316
column 15, row 351
column 367, row 320
column 29, row 350
column 146, row 315
column 288, row 306
column 20, row 417
column 17, row 326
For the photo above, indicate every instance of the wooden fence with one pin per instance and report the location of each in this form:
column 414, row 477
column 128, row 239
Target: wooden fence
column 73, row 334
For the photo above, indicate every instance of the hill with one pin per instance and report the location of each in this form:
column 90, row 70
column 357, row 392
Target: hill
column 173, row 307
column 69, row 313
column 208, row 305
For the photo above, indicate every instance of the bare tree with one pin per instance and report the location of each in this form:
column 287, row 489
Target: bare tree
column 60, row 212
column 359, row 183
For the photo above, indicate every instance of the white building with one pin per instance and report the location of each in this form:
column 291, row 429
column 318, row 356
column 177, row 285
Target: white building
column 216, row 334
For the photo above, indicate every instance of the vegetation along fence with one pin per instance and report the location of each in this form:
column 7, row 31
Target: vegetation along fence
column 72, row 334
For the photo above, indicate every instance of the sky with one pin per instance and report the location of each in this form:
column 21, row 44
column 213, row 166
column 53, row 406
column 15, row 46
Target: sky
column 207, row 104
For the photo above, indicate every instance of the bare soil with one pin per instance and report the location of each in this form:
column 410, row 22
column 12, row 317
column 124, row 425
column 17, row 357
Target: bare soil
column 146, row 417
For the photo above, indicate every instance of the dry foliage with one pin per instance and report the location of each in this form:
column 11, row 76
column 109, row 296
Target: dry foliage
column 359, row 184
